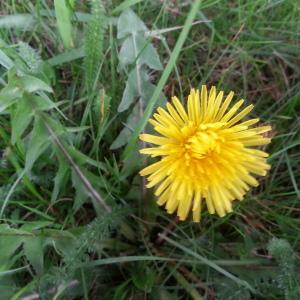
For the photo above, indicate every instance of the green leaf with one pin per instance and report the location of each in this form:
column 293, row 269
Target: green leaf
column 10, row 240
column 13, row 271
column 148, row 90
column 163, row 294
column 100, row 109
column 39, row 142
column 143, row 277
column 130, row 94
column 66, row 57
column 182, row 282
column 72, row 3
column 32, row 59
column 32, row 84
column 7, row 288
column 41, row 103
column 35, row 225
column 21, row 118
column 61, row 176
column 131, row 91
column 82, row 194
column 126, row 132
column 65, row 243
column 24, row 112
column 129, row 23
column 209, row 263
column 138, row 47
column 20, row 21
column 123, row 259
column 8, row 96
column 124, row 5
column 81, row 159
column 33, row 248
column 5, row 61
column 41, row 138
column 121, row 291
column 63, row 18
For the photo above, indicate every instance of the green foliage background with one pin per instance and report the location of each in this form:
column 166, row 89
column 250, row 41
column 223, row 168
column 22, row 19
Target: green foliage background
column 78, row 81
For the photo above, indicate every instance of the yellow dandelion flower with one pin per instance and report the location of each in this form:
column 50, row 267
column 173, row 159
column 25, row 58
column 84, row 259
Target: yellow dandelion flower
column 206, row 154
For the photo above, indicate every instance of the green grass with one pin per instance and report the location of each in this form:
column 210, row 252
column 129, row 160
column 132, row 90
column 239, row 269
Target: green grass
column 75, row 220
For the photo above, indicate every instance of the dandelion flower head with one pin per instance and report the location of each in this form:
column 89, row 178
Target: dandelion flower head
column 207, row 154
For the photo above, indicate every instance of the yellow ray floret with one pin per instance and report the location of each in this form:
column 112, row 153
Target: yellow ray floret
column 206, row 154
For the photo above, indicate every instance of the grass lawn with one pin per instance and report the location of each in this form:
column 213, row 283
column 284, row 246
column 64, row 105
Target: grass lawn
column 79, row 81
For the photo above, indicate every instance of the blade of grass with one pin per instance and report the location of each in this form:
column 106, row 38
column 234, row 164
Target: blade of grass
column 186, row 285
column 11, row 191
column 124, row 5
column 66, row 57
column 123, row 259
column 13, row 271
column 291, row 173
column 209, row 263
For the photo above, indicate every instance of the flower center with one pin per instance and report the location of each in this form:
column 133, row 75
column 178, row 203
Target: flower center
column 204, row 141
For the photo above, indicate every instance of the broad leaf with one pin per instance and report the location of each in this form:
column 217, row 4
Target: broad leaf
column 42, row 103
column 125, row 134
column 64, row 243
column 82, row 194
column 10, row 240
column 136, row 48
column 5, row 61
column 61, row 177
column 148, row 90
column 33, row 248
column 128, row 23
column 8, row 96
column 39, row 141
column 24, row 112
column 32, row 84
column 42, row 137
column 132, row 90
column 21, row 118
column 81, row 159
column 143, row 277
column 7, row 287
column 129, row 96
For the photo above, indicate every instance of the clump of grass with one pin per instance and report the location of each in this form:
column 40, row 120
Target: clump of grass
column 57, row 239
